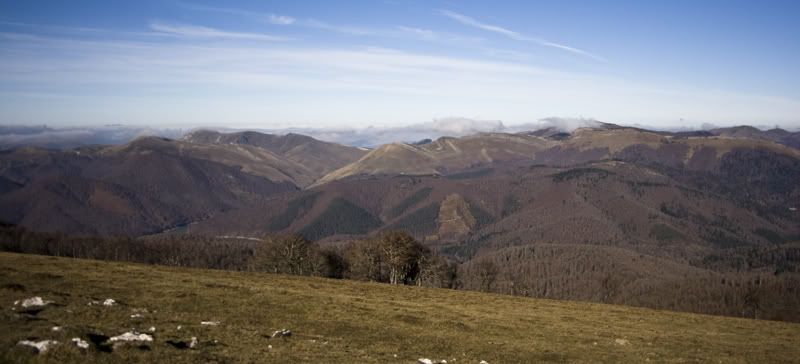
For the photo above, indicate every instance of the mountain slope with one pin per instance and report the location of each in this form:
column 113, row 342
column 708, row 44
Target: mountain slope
column 317, row 156
column 146, row 186
column 443, row 155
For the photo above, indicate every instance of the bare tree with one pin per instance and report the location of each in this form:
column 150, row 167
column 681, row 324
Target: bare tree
column 402, row 254
column 486, row 271
column 285, row 254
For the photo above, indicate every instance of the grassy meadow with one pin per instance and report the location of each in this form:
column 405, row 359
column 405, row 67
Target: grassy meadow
column 335, row 321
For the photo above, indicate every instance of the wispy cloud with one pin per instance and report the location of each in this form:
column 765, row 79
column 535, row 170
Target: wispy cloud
column 196, row 31
column 203, row 81
column 466, row 20
column 280, row 19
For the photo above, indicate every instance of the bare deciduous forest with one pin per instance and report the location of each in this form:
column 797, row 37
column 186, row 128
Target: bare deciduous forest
column 578, row 272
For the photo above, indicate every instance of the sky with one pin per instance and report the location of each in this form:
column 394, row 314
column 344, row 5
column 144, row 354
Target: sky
column 334, row 64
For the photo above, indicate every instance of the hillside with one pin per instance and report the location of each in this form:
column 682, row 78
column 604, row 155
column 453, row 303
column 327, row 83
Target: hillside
column 443, row 155
column 154, row 184
column 318, row 156
column 550, row 147
column 336, row 321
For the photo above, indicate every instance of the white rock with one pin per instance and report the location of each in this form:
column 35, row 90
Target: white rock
column 80, row 343
column 622, row 341
column 193, row 342
column 109, row 302
column 483, row 362
column 40, row 346
column 136, row 315
column 33, row 302
column 209, row 323
column 269, row 347
column 129, row 336
column 152, row 329
column 56, row 328
column 179, row 327
column 424, row 361
column 282, row 333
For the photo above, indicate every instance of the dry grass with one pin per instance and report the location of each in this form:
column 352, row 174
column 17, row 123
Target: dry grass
column 345, row 322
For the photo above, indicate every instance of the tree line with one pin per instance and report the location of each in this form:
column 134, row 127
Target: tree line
column 395, row 257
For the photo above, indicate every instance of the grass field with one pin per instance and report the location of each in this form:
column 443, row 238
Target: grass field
column 335, row 321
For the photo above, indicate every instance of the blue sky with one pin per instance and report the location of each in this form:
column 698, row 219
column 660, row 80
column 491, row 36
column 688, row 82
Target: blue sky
column 388, row 63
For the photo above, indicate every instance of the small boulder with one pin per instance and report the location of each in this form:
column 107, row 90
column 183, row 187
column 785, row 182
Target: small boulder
column 622, row 342
column 209, row 323
column 33, row 302
column 109, row 302
column 39, row 346
column 282, row 333
column 424, row 361
column 83, row 344
column 131, row 337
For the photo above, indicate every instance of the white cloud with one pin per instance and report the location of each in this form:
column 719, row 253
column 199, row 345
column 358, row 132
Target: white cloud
column 280, row 19
column 196, row 31
column 466, row 20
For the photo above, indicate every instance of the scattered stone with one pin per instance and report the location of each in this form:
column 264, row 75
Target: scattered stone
column 282, row 333
column 179, row 327
column 622, row 342
column 56, row 328
column 152, row 329
column 136, row 316
column 32, row 302
column 109, row 302
column 83, row 344
column 483, row 362
column 269, row 347
column 131, row 337
column 40, row 346
column 209, row 323
column 193, row 342
column 424, row 361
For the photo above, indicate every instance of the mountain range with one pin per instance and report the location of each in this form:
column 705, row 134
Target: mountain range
column 561, row 211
